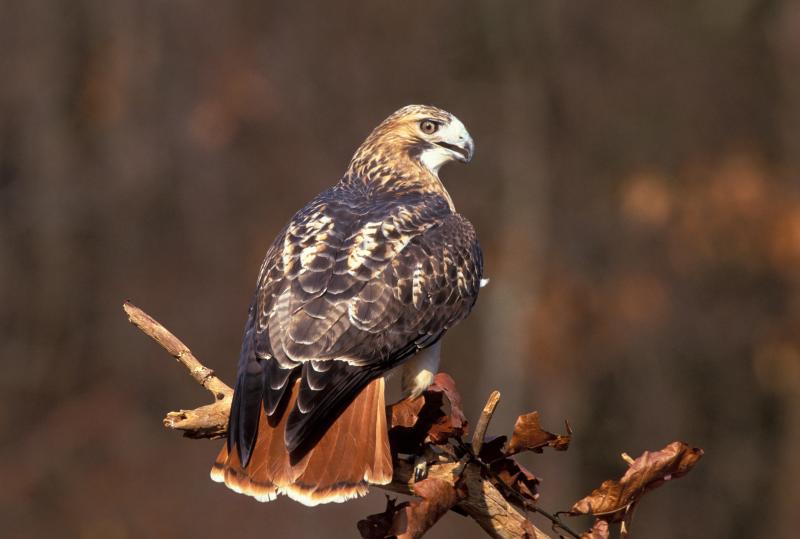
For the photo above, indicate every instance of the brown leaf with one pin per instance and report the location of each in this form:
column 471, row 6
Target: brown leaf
column 598, row 531
column 614, row 499
column 516, row 477
column 492, row 448
column 444, row 382
column 407, row 433
column 406, row 412
column 379, row 526
column 412, row 520
column 424, row 419
column 529, row 436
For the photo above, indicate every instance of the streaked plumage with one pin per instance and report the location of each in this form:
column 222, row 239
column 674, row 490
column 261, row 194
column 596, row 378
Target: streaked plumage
column 366, row 275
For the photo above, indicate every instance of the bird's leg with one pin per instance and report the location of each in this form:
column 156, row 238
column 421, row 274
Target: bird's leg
column 418, row 372
column 418, row 375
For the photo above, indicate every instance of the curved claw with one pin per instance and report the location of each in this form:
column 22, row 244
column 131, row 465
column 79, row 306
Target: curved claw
column 420, row 469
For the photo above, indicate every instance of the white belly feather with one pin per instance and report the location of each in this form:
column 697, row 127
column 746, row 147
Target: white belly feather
column 418, row 372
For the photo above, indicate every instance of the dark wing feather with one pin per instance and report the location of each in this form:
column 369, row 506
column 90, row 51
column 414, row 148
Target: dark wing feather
column 428, row 286
column 352, row 287
column 247, row 396
column 257, row 371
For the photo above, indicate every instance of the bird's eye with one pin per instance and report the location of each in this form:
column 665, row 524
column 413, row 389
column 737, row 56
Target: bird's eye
column 428, row 127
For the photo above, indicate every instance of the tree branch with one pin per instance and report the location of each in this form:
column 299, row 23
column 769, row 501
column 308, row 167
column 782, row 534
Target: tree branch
column 460, row 480
column 210, row 421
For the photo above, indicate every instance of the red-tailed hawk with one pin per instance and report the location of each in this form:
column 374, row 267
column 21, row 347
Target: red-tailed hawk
column 367, row 276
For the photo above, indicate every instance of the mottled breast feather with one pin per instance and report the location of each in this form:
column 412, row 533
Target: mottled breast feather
column 357, row 282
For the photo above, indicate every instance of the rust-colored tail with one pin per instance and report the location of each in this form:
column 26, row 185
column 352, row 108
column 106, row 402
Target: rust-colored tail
column 353, row 453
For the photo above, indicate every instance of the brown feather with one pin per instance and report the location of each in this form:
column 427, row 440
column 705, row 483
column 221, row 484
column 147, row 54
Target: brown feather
column 353, row 453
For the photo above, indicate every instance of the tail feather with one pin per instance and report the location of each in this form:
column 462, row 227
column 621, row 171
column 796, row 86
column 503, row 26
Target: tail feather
column 353, row 453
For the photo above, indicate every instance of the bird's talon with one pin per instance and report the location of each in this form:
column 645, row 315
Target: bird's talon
column 420, row 469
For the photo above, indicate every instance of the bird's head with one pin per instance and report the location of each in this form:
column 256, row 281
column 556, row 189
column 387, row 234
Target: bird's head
column 429, row 137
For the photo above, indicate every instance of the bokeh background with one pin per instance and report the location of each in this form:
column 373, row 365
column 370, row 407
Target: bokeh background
column 635, row 190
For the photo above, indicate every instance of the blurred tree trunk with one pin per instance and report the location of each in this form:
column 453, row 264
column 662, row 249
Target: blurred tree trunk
column 786, row 55
column 520, row 220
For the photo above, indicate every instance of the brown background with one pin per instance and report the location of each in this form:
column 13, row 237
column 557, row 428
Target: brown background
column 635, row 191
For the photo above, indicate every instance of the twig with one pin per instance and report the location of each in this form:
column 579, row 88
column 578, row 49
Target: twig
column 483, row 422
column 558, row 524
column 172, row 344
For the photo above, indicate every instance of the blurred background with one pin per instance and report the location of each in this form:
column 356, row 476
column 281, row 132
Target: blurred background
column 635, row 191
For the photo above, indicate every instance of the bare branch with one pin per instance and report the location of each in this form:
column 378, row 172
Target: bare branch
column 210, row 421
column 202, row 374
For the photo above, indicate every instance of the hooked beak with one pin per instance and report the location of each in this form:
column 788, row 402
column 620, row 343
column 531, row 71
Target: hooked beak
column 465, row 150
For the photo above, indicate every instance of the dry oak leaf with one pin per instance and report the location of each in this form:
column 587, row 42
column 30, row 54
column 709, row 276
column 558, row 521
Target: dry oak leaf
column 410, row 520
column 530, row 436
column 405, row 413
column 454, row 424
column 599, row 530
column 613, row 498
column 426, row 419
column 379, row 526
column 517, row 477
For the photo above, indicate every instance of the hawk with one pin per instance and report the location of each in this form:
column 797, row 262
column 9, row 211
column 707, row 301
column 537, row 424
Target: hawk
column 366, row 278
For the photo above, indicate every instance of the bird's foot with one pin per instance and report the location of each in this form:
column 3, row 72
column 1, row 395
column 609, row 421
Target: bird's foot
column 420, row 469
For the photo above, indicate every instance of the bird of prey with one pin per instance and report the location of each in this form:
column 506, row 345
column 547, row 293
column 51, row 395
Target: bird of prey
column 367, row 277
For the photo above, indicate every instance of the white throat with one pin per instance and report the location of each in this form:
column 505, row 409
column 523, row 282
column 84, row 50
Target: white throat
column 434, row 158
